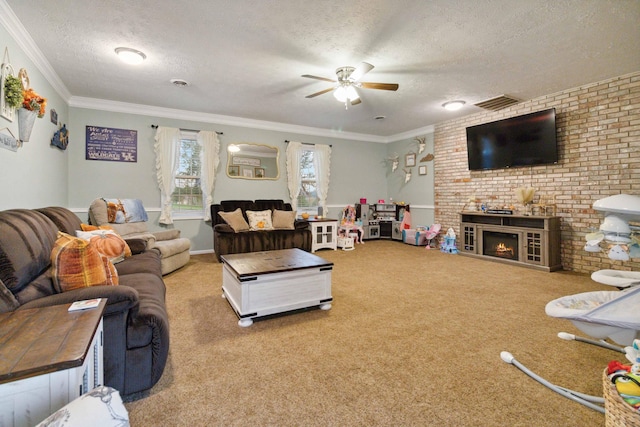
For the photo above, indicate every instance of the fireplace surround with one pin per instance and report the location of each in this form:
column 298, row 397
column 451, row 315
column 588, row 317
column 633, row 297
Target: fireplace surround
column 528, row 241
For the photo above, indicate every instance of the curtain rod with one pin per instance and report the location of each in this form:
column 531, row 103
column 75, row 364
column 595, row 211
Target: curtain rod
column 188, row 130
column 304, row 143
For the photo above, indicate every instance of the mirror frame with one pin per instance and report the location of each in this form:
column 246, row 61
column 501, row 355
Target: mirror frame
column 231, row 155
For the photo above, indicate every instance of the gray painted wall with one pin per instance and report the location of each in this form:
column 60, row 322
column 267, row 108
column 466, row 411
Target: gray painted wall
column 419, row 191
column 357, row 169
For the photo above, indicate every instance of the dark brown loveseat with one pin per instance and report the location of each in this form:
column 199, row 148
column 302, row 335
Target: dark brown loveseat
column 227, row 241
column 136, row 326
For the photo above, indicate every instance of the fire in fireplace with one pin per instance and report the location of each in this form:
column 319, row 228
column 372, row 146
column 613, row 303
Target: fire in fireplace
column 500, row 245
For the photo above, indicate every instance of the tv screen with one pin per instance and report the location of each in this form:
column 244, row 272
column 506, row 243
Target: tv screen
column 526, row 140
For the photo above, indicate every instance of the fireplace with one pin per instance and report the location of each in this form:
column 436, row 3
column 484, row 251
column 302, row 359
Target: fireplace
column 500, row 245
column 529, row 241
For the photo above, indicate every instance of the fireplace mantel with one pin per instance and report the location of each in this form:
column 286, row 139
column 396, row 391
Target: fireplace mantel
column 537, row 237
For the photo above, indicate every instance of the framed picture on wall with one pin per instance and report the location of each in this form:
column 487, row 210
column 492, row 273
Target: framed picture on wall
column 422, row 169
column 259, row 172
column 234, row 170
column 410, row 160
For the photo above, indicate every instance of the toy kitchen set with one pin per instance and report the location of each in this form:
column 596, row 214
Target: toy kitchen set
column 381, row 220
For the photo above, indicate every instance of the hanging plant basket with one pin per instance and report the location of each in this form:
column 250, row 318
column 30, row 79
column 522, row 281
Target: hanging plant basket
column 26, row 120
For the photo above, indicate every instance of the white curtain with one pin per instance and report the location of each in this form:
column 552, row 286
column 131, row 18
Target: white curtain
column 293, row 172
column 322, row 166
column 167, row 150
column 210, row 159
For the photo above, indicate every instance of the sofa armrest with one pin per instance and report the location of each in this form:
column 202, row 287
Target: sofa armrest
column 149, row 238
column 166, row 234
column 223, row 228
column 137, row 246
column 119, row 298
column 300, row 224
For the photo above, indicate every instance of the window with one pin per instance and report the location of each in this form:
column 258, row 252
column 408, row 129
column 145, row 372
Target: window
column 187, row 196
column 308, row 196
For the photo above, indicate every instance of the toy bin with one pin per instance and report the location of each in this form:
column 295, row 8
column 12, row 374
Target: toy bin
column 618, row 412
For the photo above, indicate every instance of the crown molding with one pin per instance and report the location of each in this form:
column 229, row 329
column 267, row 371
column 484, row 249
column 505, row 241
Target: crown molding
column 170, row 113
column 16, row 30
column 411, row 134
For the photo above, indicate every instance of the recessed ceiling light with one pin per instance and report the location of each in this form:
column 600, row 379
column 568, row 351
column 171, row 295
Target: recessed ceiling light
column 453, row 105
column 179, row 82
column 130, row 56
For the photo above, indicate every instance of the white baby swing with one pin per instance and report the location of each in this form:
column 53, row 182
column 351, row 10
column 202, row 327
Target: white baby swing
column 601, row 314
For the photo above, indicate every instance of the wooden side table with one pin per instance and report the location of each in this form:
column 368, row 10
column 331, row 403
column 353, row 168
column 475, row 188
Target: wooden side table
column 48, row 357
column 324, row 234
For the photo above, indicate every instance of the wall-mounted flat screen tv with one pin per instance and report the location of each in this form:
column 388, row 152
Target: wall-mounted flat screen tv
column 526, row 140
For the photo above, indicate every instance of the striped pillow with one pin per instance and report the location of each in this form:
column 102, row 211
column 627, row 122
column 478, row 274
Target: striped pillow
column 76, row 263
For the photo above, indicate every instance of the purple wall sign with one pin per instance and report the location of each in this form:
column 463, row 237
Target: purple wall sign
column 114, row 145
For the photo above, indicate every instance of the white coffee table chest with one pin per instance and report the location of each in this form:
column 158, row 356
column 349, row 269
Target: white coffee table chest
column 259, row 284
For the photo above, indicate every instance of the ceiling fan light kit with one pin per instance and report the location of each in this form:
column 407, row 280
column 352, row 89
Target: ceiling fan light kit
column 347, row 80
column 345, row 93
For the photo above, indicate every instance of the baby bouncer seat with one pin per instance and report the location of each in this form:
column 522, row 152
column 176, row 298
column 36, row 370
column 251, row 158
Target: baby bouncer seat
column 602, row 314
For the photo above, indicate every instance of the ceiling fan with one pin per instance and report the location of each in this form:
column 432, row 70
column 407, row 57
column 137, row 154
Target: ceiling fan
column 348, row 79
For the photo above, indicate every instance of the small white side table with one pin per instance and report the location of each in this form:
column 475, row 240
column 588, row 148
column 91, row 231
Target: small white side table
column 324, row 234
column 48, row 358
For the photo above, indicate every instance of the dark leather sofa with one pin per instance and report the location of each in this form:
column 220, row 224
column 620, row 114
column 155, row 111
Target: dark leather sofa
column 226, row 241
column 136, row 325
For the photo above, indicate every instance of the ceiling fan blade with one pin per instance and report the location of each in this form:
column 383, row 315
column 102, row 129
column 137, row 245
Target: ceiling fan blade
column 356, row 101
column 309, row 76
column 319, row 93
column 383, row 86
column 360, row 71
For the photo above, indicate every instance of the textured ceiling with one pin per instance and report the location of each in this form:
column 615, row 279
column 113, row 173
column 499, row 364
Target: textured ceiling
column 245, row 58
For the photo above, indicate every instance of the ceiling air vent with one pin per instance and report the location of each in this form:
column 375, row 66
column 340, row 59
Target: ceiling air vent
column 497, row 103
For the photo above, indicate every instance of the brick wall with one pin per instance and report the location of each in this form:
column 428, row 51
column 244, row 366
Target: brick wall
column 598, row 129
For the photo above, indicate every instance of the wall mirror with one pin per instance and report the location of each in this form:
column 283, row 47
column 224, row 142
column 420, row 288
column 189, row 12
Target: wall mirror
column 252, row 161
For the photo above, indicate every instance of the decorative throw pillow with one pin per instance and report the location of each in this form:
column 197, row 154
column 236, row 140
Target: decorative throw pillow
column 260, row 220
column 87, row 227
column 76, row 263
column 284, row 220
column 101, row 406
column 235, row 220
column 107, row 242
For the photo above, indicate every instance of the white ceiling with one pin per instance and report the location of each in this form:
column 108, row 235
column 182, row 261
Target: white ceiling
column 245, row 59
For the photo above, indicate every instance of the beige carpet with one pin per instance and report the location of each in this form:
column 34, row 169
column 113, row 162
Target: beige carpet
column 413, row 339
